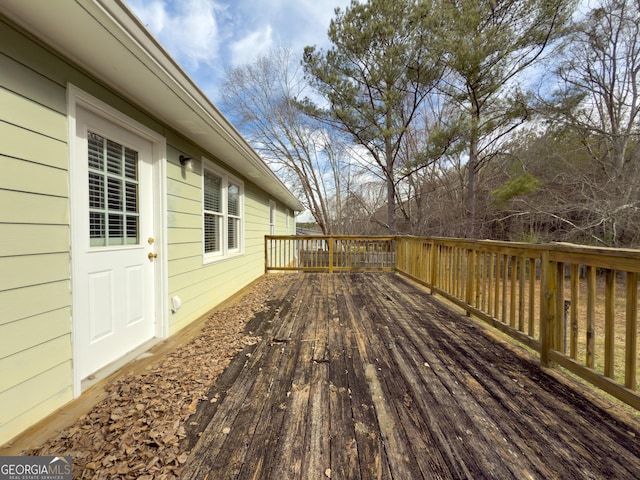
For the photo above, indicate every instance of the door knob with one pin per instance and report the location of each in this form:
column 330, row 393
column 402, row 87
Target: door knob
column 151, row 256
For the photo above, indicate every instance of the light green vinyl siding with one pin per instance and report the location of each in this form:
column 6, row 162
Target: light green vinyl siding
column 25, row 176
column 27, row 270
column 20, row 143
column 34, row 399
column 33, row 239
column 22, row 366
column 25, row 113
column 35, row 326
column 23, row 303
column 42, row 328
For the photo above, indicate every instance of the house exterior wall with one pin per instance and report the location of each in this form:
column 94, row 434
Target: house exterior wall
column 36, row 355
column 35, row 325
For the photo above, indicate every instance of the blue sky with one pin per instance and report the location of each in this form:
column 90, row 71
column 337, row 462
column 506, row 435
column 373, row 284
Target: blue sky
column 208, row 36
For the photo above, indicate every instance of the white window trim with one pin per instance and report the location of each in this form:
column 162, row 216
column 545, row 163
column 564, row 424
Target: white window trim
column 225, row 252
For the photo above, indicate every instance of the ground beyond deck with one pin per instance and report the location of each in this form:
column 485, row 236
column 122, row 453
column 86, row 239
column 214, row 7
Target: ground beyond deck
column 361, row 376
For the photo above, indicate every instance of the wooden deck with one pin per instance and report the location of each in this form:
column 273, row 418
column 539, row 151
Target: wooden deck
column 366, row 376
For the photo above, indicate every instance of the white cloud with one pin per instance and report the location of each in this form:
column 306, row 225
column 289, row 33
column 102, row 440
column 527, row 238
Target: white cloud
column 258, row 25
column 247, row 49
column 187, row 29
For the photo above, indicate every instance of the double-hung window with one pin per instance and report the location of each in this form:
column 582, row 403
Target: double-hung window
column 222, row 214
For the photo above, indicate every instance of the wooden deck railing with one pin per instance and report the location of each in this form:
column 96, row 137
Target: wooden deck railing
column 576, row 306
column 321, row 253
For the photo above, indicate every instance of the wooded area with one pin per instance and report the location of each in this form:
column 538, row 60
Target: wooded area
column 508, row 120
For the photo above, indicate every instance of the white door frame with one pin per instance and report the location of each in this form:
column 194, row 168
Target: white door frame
column 78, row 98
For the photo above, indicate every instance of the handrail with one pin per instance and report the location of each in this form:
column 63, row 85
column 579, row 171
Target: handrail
column 576, row 306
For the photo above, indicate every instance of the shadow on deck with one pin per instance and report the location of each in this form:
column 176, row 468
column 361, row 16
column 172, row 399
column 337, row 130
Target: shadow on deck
column 366, row 376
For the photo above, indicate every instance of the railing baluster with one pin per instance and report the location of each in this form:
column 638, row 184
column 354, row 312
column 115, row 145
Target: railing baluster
column 489, row 286
column 558, row 317
column 591, row 316
column 497, row 287
column 609, row 322
column 435, row 254
column 513, row 262
column 532, row 297
column 631, row 334
column 471, row 258
column 482, row 280
column 575, row 302
column 521, row 290
column 505, row 277
column 547, row 305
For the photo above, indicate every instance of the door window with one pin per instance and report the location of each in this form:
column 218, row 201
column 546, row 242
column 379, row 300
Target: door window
column 113, row 193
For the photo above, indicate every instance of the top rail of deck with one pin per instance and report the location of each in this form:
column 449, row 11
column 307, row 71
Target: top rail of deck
column 576, row 306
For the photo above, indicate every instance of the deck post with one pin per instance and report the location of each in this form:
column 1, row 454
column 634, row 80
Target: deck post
column 609, row 323
column 471, row 273
column 331, row 251
column 547, row 304
column 266, row 254
column 558, row 308
column 433, row 270
column 591, row 315
column 631, row 331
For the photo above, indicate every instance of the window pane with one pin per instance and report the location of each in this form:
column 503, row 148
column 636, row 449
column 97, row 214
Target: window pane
column 96, row 191
column 212, row 192
column 130, row 163
column 114, row 157
column 96, row 229
column 96, row 151
column 132, row 197
column 132, row 230
column 116, row 229
column 233, row 240
column 114, row 193
column 212, row 233
column 234, row 200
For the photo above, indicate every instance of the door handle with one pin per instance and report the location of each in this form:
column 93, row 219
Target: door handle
column 151, row 256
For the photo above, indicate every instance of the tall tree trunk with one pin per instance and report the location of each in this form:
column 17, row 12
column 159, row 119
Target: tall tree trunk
column 391, row 206
column 472, row 168
column 391, row 186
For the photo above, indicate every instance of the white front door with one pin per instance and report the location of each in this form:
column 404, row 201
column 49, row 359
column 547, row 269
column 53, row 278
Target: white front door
column 113, row 242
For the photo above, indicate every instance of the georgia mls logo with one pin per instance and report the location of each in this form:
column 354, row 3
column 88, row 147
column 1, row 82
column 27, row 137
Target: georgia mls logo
column 35, row 468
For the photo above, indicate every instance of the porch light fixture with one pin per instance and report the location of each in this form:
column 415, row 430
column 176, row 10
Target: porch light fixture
column 186, row 162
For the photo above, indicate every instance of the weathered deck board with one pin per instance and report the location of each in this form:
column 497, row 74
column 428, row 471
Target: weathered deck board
column 363, row 376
